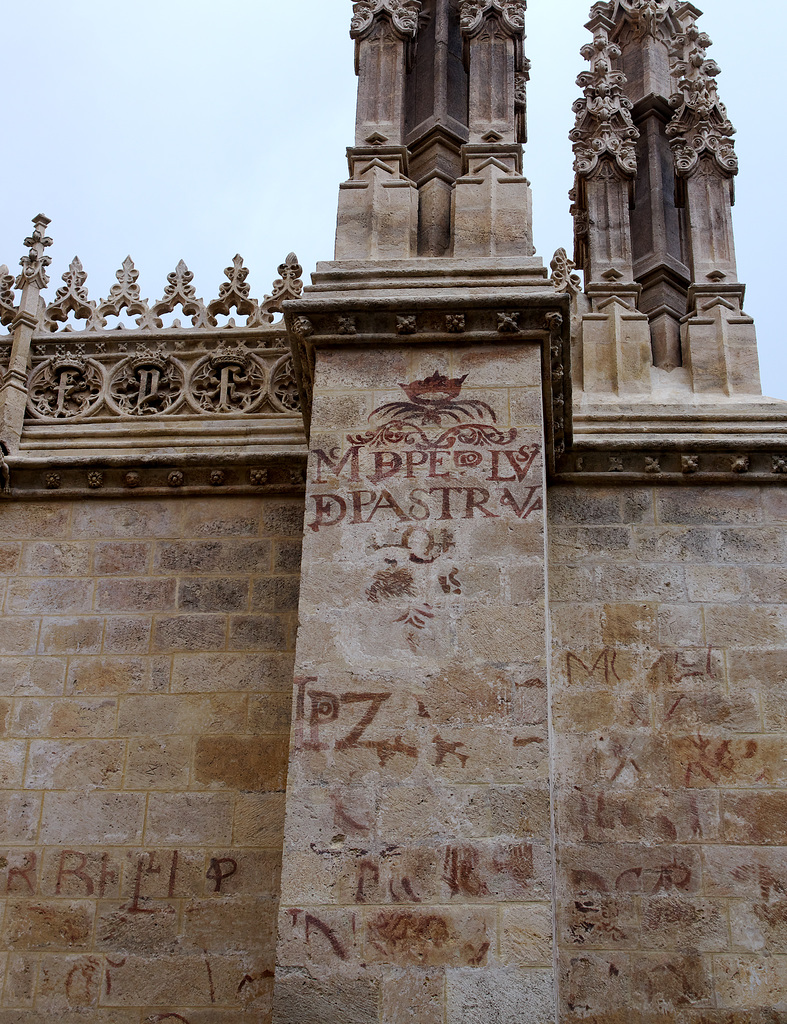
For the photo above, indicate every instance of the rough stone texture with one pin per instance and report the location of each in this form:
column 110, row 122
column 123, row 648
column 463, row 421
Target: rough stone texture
column 144, row 703
column 668, row 669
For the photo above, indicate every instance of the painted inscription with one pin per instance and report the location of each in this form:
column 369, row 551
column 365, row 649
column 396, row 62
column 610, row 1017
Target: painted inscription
column 437, row 456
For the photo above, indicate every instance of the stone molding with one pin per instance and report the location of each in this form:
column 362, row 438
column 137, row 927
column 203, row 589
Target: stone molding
column 473, row 14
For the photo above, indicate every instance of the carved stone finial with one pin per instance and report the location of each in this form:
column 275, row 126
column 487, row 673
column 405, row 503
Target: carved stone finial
column 125, row 294
column 700, row 125
column 71, row 298
column 288, row 286
column 35, row 263
column 604, row 124
column 562, row 277
column 8, row 309
column 403, row 14
column 473, row 13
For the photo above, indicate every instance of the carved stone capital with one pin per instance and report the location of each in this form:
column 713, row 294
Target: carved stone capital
column 403, row 15
column 473, row 14
column 648, row 17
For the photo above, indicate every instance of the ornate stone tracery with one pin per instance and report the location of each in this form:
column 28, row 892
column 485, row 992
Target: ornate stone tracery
column 229, row 380
column 604, row 126
column 147, row 384
column 284, row 386
column 647, row 16
column 288, row 286
column 125, row 294
column 700, row 125
column 179, row 292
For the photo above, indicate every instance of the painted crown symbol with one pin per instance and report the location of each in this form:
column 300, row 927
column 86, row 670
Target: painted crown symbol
column 434, row 389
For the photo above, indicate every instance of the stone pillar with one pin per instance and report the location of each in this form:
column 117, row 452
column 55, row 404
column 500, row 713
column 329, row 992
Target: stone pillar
column 492, row 208
column 378, row 206
column 32, row 281
column 417, row 871
column 719, row 341
column 616, row 348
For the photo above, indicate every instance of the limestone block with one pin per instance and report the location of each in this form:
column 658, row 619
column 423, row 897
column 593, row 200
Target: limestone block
column 492, row 210
column 616, row 350
column 378, row 209
column 720, row 349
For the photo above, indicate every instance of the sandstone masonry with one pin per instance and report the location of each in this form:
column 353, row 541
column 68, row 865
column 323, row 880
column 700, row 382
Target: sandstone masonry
column 421, row 655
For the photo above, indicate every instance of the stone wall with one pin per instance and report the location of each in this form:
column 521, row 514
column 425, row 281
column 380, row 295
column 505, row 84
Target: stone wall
column 670, row 712
column 145, row 678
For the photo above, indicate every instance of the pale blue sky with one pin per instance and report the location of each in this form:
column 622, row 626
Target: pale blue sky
column 200, row 128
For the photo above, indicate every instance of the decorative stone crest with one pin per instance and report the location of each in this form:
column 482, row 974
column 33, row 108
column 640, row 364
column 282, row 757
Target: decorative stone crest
column 562, row 277
column 72, row 298
column 288, row 286
column 125, row 294
column 403, row 14
column 473, row 13
column 604, row 124
column 64, row 387
column 700, row 125
column 8, row 309
column 179, row 292
column 230, row 380
column 146, row 384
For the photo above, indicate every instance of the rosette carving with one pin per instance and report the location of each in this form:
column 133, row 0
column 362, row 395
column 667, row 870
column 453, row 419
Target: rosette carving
column 65, row 387
column 700, row 125
column 604, row 124
column 403, row 14
column 473, row 13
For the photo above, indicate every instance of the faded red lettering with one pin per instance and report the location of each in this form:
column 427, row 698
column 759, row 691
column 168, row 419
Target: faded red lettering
column 324, row 512
column 479, row 503
column 332, row 461
column 386, row 464
column 24, row 872
column 78, row 872
column 217, row 873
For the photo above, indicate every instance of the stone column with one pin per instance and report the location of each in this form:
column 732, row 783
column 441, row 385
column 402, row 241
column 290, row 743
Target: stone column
column 492, row 210
column 417, row 870
column 616, row 349
column 32, row 281
column 719, row 340
column 378, row 206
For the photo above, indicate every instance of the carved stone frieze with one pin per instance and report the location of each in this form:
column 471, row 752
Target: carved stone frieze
column 700, row 125
column 634, row 464
column 402, row 13
column 229, row 380
column 67, row 386
column 563, row 277
column 604, row 125
column 147, row 384
column 473, row 13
